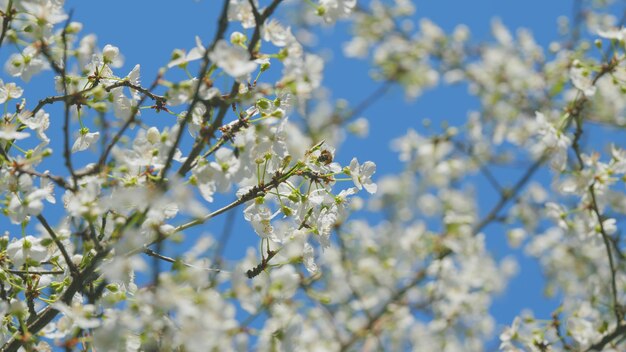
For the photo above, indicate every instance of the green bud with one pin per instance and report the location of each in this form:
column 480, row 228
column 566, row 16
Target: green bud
column 263, row 103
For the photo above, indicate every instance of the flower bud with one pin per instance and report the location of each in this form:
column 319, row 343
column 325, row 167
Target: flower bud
column 238, row 38
column 110, row 52
column 153, row 135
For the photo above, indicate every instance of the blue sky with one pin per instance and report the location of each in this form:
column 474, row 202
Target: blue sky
column 147, row 31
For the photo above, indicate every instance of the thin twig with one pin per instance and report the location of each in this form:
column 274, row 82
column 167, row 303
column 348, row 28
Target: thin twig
column 156, row 255
column 31, row 272
column 508, row 195
column 68, row 260
column 66, row 117
column 221, row 244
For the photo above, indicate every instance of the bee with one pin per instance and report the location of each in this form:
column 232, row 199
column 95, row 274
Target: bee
column 326, row 157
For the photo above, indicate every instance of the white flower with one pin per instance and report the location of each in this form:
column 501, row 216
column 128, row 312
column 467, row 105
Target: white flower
column 122, row 105
column 308, row 259
column 275, row 33
column 332, row 10
column 194, row 54
column 260, row 217
column 510, row 332
column 9, row 131
column 609, row 226
column 110, row 53
column 234, row 60
column 582, row 330
column 284, row 282
column 553, row 141
column 240, row 10
column 39, row 122
column 9, row 91
column 77, row 315
column 225, row 168
column 27, row 248
column 122, row 268
column 362, row 175
column 581, row 80
column 516, row 236
column 360, row 127
column 305, row 72
column 557, row 213
column 613, row 34
column 357, row 48
column 326, row 221
column 85, row 139
column 48, row 12
column 205, row 181
column 31, row 204
column 25, row 64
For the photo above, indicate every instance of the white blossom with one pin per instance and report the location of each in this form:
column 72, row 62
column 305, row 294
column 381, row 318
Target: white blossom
column 234, row 60
column 362, row 175
column 26, row 249
column 332, row 10
column 85, row 140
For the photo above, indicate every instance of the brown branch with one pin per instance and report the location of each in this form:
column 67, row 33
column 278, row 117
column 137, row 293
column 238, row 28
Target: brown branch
column 620, row 330
column 66, row 117
column 617, row 308
column 30, row 272
column 148, row 92
column 56, row 179
column 7, row 17
column 68, row 260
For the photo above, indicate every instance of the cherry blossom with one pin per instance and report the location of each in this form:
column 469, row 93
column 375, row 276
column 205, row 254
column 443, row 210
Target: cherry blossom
column 85, row 140
column 26, row 250
column 362, row 175
column 233, row 60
